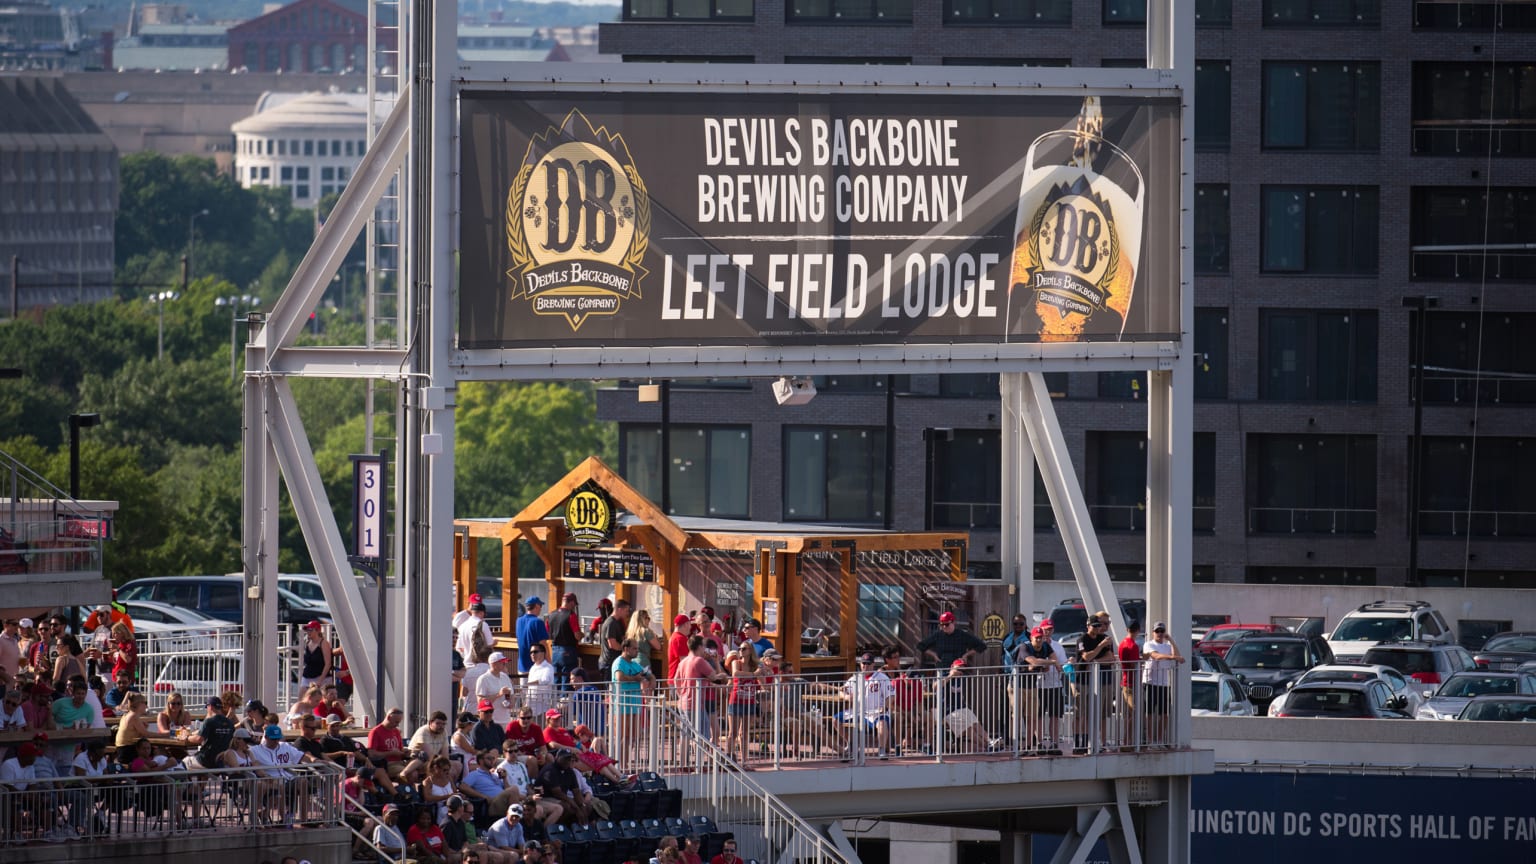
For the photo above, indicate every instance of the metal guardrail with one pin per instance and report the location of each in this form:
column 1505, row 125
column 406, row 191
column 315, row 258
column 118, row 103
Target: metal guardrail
column 1479, row 523
column 1311, row 520
column 201, row 662
column 163, row 803
column 42, row 529
column 764, row 827
column 809, row 719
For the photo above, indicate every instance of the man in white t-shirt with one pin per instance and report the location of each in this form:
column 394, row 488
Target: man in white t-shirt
column 872, row 688
column 1162, row 658
column 496, row 685
column 466, row 630
column 12, row 717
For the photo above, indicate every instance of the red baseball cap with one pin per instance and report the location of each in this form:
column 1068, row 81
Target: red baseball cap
column 475, row 598
column 947, row 618
column 485, row 705
column 959, row 661
column 680, row 620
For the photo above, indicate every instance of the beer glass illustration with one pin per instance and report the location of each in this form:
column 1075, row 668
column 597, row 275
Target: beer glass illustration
column 1077, row 235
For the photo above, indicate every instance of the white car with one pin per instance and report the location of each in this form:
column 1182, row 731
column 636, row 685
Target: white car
column 1386, row 621
column 164, row 629
column 1216, row 693
column 1396, row 682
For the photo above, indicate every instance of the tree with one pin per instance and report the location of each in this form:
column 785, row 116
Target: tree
column 154, row 406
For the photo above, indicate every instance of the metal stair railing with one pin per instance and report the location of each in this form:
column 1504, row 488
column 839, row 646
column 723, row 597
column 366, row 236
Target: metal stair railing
column 366, row 840
column 43, row 529
column 765, row 827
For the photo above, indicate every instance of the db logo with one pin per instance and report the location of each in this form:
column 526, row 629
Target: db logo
column 589, row 516
column 993, row 628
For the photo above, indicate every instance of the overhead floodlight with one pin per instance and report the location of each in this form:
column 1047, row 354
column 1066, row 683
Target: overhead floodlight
column 794, row 391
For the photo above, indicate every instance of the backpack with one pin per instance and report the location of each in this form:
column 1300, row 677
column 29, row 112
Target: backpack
column 479, row 648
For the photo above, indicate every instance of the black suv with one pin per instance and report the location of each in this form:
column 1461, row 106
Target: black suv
column 1268, row 663
column 1424, row 662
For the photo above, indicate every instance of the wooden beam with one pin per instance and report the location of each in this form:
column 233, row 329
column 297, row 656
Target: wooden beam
column 848, row 610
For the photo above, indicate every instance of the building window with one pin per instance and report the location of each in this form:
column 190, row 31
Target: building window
column 1469, row 233
column 1500, row 473
column 965, row 479
column 1476, row 356
column 327, row 173
column 1474, row 109
column 1203, row 515
column 282, row 147
column 880, row 613
column 1210, row 354
column 1213, row 13
column 1213, row 228
column 1122, row 385
column 1213, row 105
column 1117, row 480
column 1320, row 230
column 1310, row 576
column 661, row 10
column 970, row 385
column 1043, row 12
column 710, row 467
column 266, row 172
column 1318, row 355
column 1322, row 13
column 309, row 147
column 301, row 192
column 1311, row 484
column 850, row 383
column 834, row 474
column 1125, row 12
column 286, row 174
column 1322, row 106
column 1471, row 15
column 861, row 11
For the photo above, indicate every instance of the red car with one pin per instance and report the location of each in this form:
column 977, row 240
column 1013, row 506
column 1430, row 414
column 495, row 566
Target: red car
column 1219, row 638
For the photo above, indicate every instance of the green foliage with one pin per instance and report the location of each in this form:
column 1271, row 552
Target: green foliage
column 154, row 406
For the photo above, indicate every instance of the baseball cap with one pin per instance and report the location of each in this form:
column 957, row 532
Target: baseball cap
column 475, row 598
column 25, row 623
column 582, row 729
column 485, row 705
column 497, row 657
column 333, row 719
column 680, row 620
column 1047, row 625
column 392, row 808
column 28, row 749
column 772, row 654
column 513, row 810
column 215, row 702
column 553, row 712
column 533, row 601
column 866, row 657
column 567, row 754
column 255, row 705
column 243, row 734
column 1036, row 632
column 569, row 595
column 959, row 661
column 313, row 625
column 477, row 606
column 947, row 618
column 534, row 844
column 1159, row 626
column 708, row 611
column 274, row 732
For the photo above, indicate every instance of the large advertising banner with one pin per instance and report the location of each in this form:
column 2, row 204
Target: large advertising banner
column 793, row 219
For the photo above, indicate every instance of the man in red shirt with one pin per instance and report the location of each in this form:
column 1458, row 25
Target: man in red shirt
column 557, row 736
column 386, row 746
column 677, row 645
column 525, row 731
column 1130, row 678
column 727, row 854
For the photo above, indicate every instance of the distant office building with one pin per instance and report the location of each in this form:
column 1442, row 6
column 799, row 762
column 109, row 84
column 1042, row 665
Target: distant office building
column 308, row 36
column 38, row 37
column 58, row 195
column 308, row 144
column 174, row 47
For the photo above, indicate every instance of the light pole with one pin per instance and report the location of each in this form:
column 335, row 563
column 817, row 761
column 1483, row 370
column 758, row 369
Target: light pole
column 76, row 423
column 234, row 302
column 1421, row 305
column 160, row 297
column 192, row 236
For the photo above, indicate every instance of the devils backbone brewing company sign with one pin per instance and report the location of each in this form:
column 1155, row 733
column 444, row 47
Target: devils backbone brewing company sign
column 647, row 219
column 589, row 516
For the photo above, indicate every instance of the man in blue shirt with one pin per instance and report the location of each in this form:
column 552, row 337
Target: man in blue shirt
column 486, row 784
column 530, row 630
column 753, row 632
column 507, row 833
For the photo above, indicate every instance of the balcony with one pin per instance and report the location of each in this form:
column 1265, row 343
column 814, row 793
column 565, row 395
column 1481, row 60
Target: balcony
column 50, row 544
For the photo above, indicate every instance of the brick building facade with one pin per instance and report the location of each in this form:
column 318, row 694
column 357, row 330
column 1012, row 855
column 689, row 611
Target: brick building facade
column 1315, row 121
column 307, row 36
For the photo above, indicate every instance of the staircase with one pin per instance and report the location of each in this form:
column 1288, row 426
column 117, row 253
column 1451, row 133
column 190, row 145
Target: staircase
column 47, row 537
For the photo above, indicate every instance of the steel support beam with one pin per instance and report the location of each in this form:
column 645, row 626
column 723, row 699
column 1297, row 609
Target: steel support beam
column 1018, row 496
column 336, row 236
column 1092, row 822
column 326, row 550
column 328, row 362
column 258, row 539
column 1072, row 520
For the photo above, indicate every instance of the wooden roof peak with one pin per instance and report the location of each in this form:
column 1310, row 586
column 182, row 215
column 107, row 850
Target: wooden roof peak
column 625, row 497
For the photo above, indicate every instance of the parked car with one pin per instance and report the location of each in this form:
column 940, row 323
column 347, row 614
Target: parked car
column 1070, row 618
column 1343, row 699
column 1517, row 709
column 162, row 628
column 1220, row 694
column 489, row 589
column 1387, row 621
column 1199, row 623
column 1396, row 682
column 1200, row 662
column 198, row 676
column 1424, row 662
column 216, row 597
column 1219, row 638
column 1456, row 691
column 1268, row 663
column 1505, row 651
